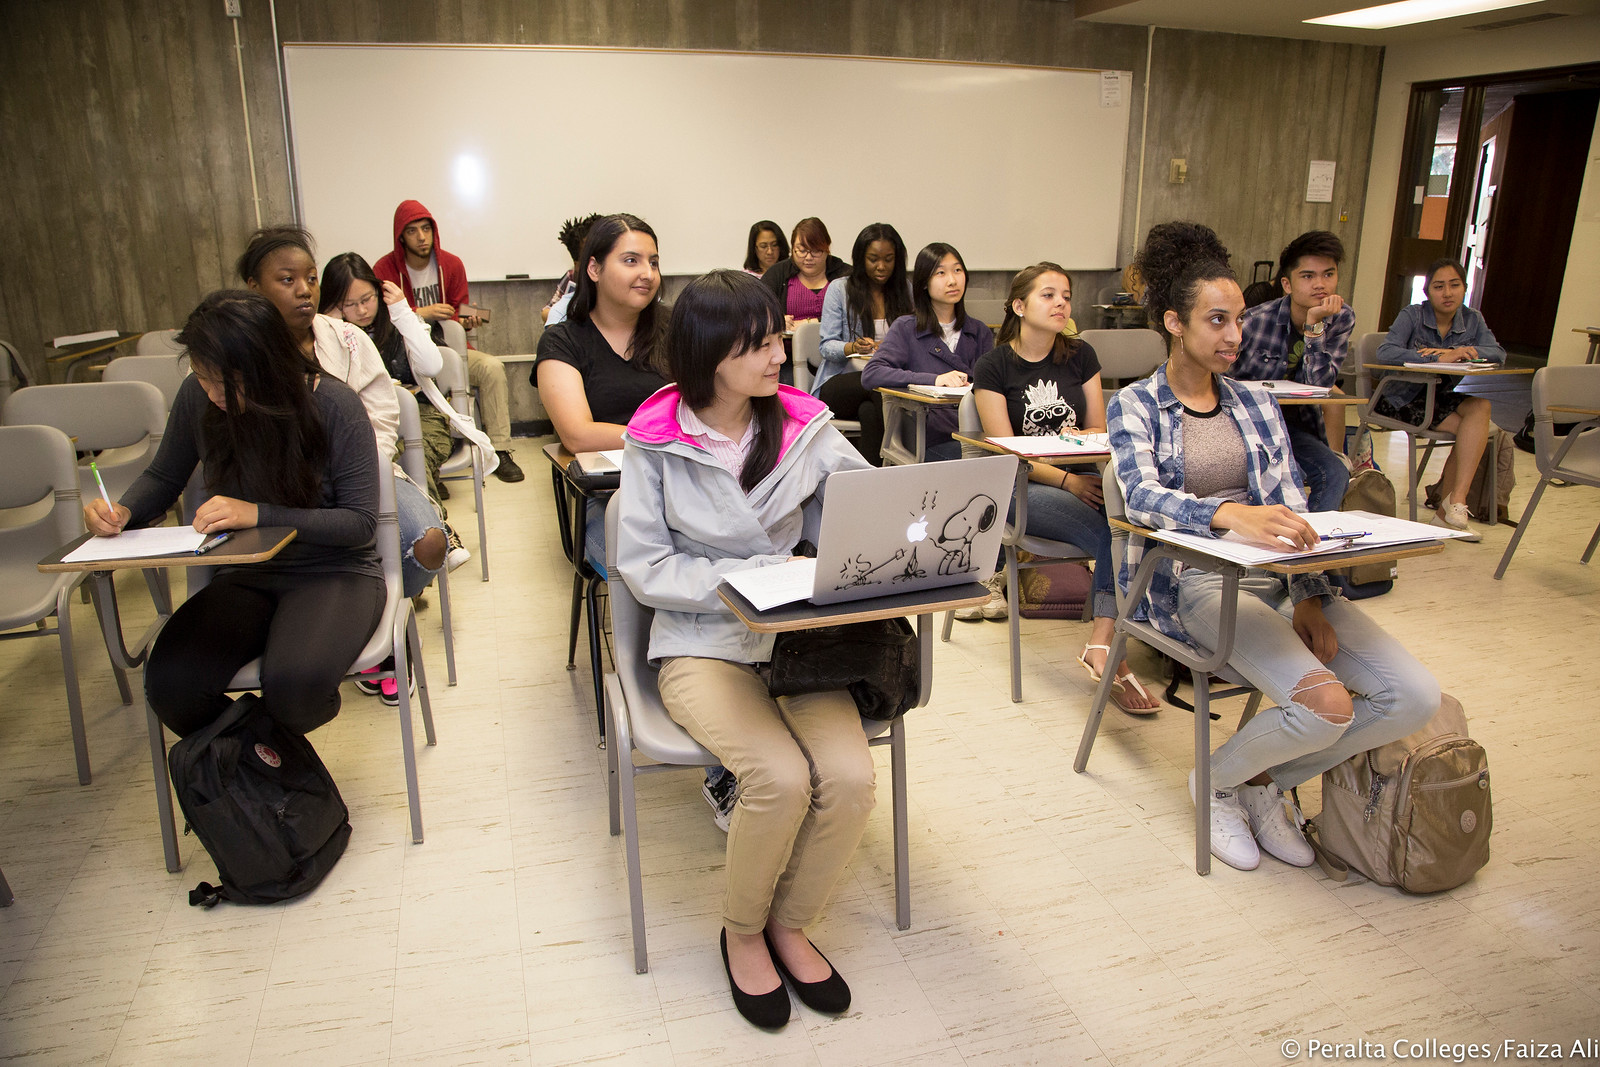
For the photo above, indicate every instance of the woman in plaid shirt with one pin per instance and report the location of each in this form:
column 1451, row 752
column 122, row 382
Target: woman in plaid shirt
column 1197, row 451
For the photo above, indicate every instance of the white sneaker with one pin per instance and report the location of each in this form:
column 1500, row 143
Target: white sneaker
column 995, row 607
column 1453, row 516
column 458, row 552
column 1275, row 829
column 1231, row 839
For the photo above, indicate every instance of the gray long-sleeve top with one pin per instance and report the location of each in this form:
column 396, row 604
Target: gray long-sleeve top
column 337, row 536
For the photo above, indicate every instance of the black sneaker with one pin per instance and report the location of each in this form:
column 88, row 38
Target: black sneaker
column 721, row 795
column 508, row 471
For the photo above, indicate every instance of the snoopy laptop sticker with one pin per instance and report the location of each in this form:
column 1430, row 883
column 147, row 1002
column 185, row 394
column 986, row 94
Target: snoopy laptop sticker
column 890, row 530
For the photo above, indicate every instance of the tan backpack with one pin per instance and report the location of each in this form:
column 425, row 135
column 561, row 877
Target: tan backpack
column 1414, row 813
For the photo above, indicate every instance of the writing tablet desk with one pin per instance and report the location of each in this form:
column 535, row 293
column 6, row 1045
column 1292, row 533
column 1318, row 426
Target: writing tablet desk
column 905, row 424
column 69, row 357
column 805, row 615
column 1341, row 399
column 573, row 488
column 1159, row 547
column 1591, row 413
column 1593, row 333
column 255, row 545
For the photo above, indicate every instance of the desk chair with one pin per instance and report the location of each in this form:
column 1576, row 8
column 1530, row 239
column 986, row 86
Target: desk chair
column 157, row 343
column 165, row 371
column 807, row 344
column 1126, row 355
column 1575, row 458
column 396, row 635
column 416, row 468
column 40, row 465
column 1015, row 540
column 1204, row 667
column 1367, row 348
column 640, row 723
column 122, row 421
column 464, row 462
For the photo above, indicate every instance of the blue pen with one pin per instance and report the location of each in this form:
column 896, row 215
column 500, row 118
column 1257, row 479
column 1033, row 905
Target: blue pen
column 213, row 543
column 1346, row 536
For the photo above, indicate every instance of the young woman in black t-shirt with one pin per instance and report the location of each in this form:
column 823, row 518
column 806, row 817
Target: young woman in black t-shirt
column 596, row 368
column 1038, row 382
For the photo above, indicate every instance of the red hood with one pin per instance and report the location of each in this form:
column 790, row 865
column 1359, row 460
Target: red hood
column 408, row 212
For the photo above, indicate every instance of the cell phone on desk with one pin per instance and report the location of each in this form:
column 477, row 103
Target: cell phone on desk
column 482, row 314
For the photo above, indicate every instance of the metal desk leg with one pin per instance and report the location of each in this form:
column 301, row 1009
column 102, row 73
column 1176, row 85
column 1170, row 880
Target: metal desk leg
column 158, row 764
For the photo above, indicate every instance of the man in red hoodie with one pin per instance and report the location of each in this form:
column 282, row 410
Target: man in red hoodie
column 435, row 283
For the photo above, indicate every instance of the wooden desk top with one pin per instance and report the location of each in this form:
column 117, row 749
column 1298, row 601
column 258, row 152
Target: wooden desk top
column 557, row 453
column 255, row 545
column 1051, row 461
column 1292, row 401
column 89, row 348
column 1314, row 564
column 1592, row 331
column 921, row 398
column 1587, row 412
column 1458, row 369
column 804, row 615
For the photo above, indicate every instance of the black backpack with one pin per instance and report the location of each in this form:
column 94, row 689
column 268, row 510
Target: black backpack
column 263, row 805
column 1262, row 287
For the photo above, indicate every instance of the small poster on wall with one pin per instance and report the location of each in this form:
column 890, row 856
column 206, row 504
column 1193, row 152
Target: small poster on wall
column 1319, row 182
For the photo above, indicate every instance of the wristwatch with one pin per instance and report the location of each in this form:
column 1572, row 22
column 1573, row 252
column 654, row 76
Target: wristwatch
column 1316, row 330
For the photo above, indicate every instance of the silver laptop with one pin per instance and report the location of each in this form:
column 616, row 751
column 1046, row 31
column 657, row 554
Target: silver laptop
column 889, row 530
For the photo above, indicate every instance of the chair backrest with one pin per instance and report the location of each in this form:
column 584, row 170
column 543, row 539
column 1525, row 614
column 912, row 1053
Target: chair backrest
column 1126, row 354
column 1571, row 386
column 1116, row 508
column 157, row 343
column 128, row 417
column 989, row 312
column 1365, row 351
column 411, row 458
column 166, row 372
column 969, row 425
column 807, row 344
column 13, row 372
column 455, row 335
column 39, row 463
column 630, row 625
column 802, row 374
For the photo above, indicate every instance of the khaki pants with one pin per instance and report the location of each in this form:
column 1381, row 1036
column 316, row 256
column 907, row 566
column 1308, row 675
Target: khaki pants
column 806, row 786
column 488, row 376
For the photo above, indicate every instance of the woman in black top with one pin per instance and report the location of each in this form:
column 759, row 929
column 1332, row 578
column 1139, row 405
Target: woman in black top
column 279, row 445
column 1036, row 382
column 596, row 368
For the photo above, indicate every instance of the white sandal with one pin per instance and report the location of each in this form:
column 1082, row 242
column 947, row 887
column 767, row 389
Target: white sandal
column 1120, row 684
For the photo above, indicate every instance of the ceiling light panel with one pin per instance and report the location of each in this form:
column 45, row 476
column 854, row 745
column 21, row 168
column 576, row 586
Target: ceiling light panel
column 1410, row 12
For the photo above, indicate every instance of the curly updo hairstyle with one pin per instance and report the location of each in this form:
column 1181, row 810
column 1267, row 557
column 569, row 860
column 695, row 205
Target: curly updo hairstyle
column 1176, row 258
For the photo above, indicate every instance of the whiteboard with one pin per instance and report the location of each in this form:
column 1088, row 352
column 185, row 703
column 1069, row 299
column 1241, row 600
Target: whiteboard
column 1009, row 164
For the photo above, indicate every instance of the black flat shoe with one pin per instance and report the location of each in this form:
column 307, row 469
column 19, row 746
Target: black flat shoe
column 508, row 471
column 831, row 996
column 770, row 1011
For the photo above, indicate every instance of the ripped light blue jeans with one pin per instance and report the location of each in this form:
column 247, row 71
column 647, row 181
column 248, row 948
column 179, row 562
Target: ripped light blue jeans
column 416, row 516
column 1391, row 693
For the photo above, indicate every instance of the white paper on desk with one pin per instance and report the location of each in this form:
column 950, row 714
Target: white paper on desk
column 1083, row 444
column 604, row 462
column 135, row 544
column 1283, row 387
column 771, row 587
column 1476, row 364
column 941, row 390
column 81, row 338
column 1382, row 531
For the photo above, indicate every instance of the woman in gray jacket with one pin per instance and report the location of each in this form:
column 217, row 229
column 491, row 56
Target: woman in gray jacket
column 724, row 471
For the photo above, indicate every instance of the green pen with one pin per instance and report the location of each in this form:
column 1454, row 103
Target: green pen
column 101, row 482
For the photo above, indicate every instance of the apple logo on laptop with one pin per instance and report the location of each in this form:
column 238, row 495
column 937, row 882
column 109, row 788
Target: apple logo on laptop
column 918, row 531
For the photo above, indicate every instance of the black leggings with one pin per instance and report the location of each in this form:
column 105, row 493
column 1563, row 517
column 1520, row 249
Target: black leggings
column 847, row 399
column 308, row 630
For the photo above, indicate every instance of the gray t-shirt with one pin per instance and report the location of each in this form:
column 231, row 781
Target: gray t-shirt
column 1214, row 456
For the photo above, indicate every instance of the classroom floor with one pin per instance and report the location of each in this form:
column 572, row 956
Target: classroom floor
column 1056, row 917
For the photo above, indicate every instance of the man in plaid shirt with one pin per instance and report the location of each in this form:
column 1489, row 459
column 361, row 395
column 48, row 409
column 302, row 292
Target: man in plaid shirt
column 1302, row 337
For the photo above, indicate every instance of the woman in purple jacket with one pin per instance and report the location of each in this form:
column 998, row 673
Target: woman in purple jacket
column 938, row 345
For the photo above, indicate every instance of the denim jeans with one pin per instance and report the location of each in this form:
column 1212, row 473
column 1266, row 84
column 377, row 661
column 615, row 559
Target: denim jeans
column 416, row 516
column 1391, row 693
column 1060, row 516
column 1326, row 476
column 949, row 448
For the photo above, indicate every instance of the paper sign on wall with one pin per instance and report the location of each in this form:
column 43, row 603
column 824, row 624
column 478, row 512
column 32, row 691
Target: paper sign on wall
column 1110, row 88
column 1319, row 182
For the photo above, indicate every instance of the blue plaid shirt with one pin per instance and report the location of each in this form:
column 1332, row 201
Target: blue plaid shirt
column 1264, row 351
column 1146, row 424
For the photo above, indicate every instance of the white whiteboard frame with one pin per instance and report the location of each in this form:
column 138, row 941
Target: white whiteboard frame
column 1010, row 164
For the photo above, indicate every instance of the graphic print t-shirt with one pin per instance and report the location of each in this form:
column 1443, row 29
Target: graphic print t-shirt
column 425, row 284
column 1042, row 398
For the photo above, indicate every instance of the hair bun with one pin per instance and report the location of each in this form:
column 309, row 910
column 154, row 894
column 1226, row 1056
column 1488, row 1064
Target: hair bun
column 1175, row 256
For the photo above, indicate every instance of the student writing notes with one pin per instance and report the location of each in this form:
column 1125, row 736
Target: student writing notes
column 717, row 473
column 1037, row 382
column 1444, row 329
column 1194, row 450
column 279, row 444
column 938, row 344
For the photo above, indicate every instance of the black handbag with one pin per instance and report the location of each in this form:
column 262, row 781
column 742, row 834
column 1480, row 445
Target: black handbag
column 878, row 663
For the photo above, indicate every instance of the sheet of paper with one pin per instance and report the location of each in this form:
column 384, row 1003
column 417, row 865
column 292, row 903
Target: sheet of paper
column 1087, row 444
column 1379, row 531
column 1476, row 364
column 1319, row 181
column 136, row 544
column 1110, row 88
column 80, row 338
column 1281, row 387
column 600, row 462
column 941, row 390
column 771, row 587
